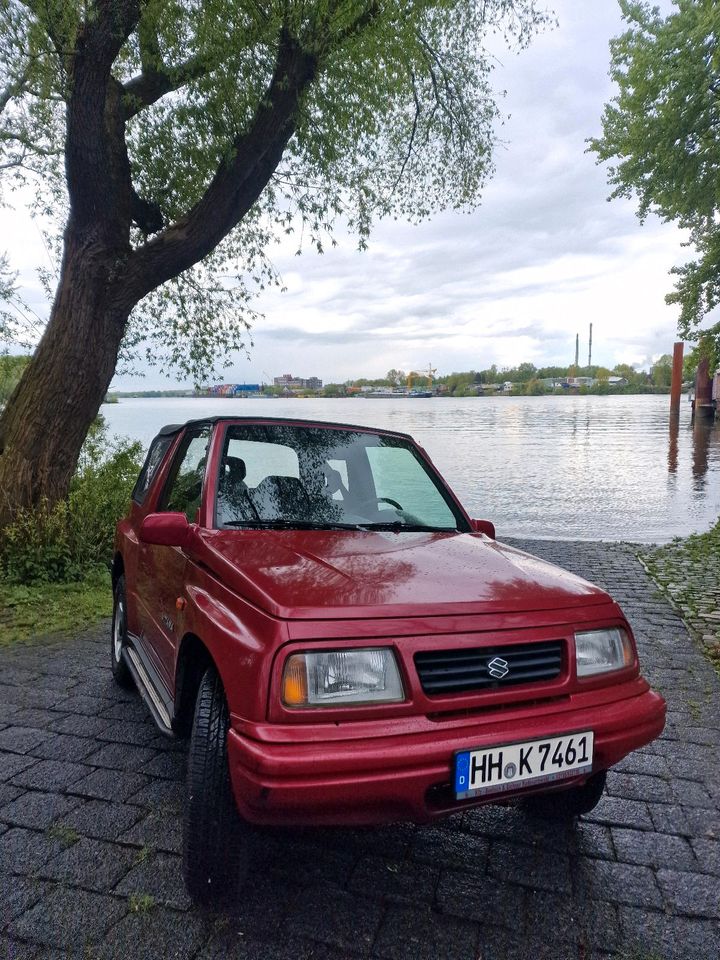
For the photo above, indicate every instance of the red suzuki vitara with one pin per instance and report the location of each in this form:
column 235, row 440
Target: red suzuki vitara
column 345, row 645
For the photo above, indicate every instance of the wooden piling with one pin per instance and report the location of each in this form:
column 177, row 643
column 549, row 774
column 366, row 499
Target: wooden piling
column 676, row 384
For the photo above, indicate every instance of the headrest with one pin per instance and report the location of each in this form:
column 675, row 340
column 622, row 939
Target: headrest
column 236, row 468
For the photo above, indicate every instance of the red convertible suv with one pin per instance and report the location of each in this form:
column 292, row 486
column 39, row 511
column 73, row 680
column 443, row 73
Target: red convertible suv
column 345, row 645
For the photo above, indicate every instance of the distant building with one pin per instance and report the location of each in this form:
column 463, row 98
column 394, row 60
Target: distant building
column 232, row 389
column 290, row 382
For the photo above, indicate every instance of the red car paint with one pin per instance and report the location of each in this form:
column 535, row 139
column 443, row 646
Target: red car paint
column 252, row 597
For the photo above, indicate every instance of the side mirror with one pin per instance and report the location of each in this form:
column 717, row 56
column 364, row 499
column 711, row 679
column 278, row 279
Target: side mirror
column 484, row 526
column 164, row 529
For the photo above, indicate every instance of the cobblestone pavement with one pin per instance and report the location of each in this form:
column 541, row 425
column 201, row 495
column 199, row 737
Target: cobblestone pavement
column 90, row 835
column 689, row 572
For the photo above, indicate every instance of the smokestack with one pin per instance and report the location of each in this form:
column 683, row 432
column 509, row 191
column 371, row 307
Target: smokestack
column 590, row 348
column 577, row 349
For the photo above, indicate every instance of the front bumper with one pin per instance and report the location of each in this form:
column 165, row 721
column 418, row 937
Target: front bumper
column 351, row 774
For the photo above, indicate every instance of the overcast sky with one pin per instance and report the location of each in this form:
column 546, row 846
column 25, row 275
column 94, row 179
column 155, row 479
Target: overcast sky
column 543, row 256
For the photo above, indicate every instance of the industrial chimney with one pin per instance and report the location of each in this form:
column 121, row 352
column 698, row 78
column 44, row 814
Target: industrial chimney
column 590, row 348
column 577, row 350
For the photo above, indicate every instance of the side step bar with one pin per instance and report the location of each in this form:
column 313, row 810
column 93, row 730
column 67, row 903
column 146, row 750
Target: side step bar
column 158, row 705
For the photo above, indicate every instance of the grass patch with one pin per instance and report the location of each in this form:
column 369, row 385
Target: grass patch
column 64, row 835
column 140, row 902
column 36, row 610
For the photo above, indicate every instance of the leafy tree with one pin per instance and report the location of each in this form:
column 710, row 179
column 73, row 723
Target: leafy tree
column 11, row 369
column 395, row 377
column 662, row 371
column 179, row 136
column 661, row 133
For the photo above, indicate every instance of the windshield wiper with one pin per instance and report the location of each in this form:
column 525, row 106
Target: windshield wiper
column 396, row 526
column 291, row 525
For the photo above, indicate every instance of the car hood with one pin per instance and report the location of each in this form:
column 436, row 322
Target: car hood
column 318, row 574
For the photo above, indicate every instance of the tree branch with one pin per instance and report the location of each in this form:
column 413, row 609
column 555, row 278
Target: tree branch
column 238, row 181
column 153, row 83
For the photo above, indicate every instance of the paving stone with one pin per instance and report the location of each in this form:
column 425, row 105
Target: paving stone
column 87, row 706
column 618, row 883
column 121, row 756
column 639, row 787
column 102, row 820
column 17, row 739
column 652, row 849
column 13, row 763
column 8, row 793
column 128, row 732
column 653, row 934
column 161, row 830
column 480, row 898
column 161, row 794
column 419, row 934
column 24, row 851
column 168, row 765
column 156, row 933
column 160, row 876
column 708, row 855
column 670, row 818
column 622, row 813
column 68, row 918
column 528, row 867
column 92, row 864
column 109, row 784
column 79, row 726
column 690, row 893
column 402, row 880
column 37, row 810
column 446, row 848
column 61, row 746
column 583, row 921
column 50, row 775
column 17, row 894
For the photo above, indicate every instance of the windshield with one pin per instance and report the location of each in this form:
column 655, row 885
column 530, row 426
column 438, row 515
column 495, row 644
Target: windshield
column 283, row 475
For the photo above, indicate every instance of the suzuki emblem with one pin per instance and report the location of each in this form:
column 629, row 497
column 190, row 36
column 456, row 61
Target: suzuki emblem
column 498, row 668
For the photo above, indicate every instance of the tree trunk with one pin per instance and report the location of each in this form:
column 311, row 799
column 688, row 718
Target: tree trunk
column 48, row 416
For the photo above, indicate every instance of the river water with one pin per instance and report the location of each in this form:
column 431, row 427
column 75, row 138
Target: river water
column 571, row 467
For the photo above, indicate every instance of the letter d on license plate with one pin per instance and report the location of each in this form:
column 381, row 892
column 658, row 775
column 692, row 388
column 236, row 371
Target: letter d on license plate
column 512, row 765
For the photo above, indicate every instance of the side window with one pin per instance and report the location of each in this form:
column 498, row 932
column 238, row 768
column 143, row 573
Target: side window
column 156, row 454
column 185, row 483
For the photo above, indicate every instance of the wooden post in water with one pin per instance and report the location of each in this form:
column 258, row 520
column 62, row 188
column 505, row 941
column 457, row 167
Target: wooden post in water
column 676, row 384
column 703, row 390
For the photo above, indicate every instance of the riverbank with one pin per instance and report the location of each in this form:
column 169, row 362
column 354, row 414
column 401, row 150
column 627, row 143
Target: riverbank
column 688, row 573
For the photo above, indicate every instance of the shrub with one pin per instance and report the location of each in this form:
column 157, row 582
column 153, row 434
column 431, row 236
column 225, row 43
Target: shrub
column 65, row 541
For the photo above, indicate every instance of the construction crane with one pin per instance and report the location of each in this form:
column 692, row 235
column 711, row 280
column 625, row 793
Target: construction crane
column 429, row 373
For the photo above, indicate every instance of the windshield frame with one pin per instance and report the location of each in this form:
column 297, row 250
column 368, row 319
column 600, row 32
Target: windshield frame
column 462, row 520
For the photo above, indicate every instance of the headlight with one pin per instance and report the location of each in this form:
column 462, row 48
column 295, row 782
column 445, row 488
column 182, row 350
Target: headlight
column 601, row 651
column 331, row 678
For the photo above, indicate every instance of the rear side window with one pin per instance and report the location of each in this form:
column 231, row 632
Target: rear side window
column 156, row 454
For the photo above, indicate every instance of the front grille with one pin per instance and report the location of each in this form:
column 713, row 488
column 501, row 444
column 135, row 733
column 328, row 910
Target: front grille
column 460, row 670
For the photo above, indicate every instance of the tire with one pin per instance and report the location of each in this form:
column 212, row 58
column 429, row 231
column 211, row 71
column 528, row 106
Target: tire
column 215, row 840
column 568, row 804
column 118, row 637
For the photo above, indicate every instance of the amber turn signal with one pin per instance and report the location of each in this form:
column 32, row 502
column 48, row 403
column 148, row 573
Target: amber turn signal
column 295, row 691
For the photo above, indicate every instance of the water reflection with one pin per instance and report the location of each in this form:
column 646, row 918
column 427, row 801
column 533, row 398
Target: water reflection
column 673, row 445
column 576, row 467
column 704, row 434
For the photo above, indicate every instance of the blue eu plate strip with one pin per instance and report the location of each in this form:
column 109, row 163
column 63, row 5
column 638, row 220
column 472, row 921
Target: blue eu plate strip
column 462, row 772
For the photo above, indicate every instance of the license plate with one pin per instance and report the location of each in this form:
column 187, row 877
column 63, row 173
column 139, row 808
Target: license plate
column 511, row 765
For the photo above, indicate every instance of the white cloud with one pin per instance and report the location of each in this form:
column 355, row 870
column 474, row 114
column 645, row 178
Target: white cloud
column 543, row 257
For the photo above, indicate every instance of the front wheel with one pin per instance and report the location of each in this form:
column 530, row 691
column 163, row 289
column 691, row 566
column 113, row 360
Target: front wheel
column 567, row 804
column 119, row 668
column 215, row 840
